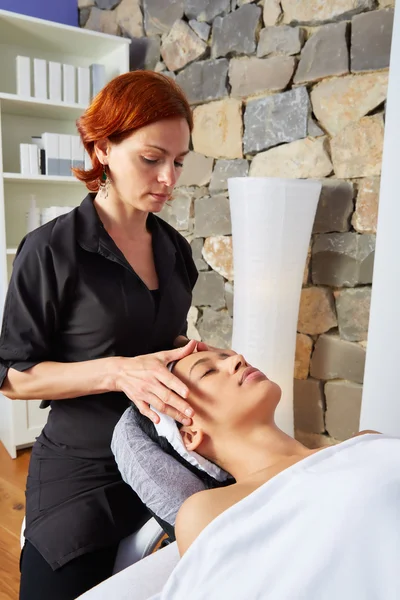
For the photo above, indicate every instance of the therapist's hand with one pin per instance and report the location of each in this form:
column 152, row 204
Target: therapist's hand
column 147, row 381
column 182, row 340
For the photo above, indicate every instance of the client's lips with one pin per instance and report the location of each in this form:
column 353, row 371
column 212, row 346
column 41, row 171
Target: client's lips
column 247, row 372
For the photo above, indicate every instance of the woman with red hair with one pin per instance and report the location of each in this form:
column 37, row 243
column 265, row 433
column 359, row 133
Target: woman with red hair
column 96, row 308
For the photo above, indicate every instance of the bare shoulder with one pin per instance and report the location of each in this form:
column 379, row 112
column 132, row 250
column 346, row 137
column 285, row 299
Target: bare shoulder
column 366, row 431
column 196, row 513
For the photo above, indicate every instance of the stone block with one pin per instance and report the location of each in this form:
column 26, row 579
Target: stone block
column 316, row 12
column 308, row 406
column 229, row 297
column 106, row 4
column 209, row 290
column 343, row 259
column 103, row 21
column 224, row 169
column 217, row 252
column 314, row 440
column 181, row 46
column 218, row 129
column 192, row 332
column 169, row 74
column 199, row 192
column 160, row 67
column 204, row 80
column 314, row 130
column 352, row 308
column 335, row 207
column 197, row 170
column 201, row 29
column 236, row 33
column 276, row 119
column 340, row 101
column 177, row 212
column 365, row 217
column 301, row 159
column 83, row 16
column 371, row 38
column 215, row 328
column 197, row 249
column 152, row 56
column 324, row 54
column 159, row 16
column 271, row 12
column 280, row 40
column 357, row 149
column 316, row 311
column 206, row 10
column 334, row 358
column 343, row 407
column 130, row 20
column 249, row 75
column 212, row 216
column 304, row 345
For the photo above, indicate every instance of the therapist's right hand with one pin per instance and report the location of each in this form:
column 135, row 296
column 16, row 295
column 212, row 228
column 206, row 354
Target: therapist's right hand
column 147, row 381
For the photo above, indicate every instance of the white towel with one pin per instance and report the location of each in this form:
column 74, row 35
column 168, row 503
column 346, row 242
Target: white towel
column 327, row 528
column 168, row 428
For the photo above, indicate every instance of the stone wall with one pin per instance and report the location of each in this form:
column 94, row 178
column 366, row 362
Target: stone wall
column 289, row 88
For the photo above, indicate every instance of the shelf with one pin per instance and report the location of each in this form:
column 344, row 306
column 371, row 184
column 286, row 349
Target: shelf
column 21, row 178
column 33, row 107
column 20, row 30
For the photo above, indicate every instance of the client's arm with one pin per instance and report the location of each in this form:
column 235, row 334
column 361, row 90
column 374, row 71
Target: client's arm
column 161, row 482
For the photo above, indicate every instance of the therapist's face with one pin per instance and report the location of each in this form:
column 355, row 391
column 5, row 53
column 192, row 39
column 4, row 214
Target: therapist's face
column 226, row 393
column 146, row 166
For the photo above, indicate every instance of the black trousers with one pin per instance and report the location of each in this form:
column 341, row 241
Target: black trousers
column 40, row 582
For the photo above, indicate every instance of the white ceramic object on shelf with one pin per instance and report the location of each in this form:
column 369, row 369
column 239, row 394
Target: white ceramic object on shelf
column 272, row 221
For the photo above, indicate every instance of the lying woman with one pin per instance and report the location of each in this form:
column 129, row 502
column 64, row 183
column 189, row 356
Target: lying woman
column 297, row 523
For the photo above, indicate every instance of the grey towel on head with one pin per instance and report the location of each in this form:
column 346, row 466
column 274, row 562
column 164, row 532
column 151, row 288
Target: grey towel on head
column 160, row 481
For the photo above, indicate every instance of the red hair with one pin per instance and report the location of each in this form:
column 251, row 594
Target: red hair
column 128, row 102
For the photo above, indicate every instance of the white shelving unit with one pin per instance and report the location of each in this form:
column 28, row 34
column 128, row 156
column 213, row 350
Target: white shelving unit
column 21, row 118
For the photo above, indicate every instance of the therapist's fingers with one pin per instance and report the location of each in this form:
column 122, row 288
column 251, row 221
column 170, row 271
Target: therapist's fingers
column 202, row 347
column 178, row 353
column 165, row 391
column 146, row 410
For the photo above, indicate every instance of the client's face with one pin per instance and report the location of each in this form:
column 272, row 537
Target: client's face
column 226, row 393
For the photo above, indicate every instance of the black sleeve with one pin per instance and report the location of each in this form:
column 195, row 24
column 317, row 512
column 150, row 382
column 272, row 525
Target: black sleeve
column 32, row 308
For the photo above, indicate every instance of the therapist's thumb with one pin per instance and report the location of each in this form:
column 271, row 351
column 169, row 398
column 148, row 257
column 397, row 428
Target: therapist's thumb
column 179, row 353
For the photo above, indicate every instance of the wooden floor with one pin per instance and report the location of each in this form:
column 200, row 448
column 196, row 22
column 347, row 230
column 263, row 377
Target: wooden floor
column 12, row 509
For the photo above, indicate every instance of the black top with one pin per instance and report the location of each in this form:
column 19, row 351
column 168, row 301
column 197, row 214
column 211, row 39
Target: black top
column 74, row 297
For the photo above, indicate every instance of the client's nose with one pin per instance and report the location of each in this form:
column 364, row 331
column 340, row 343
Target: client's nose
column 236, row 362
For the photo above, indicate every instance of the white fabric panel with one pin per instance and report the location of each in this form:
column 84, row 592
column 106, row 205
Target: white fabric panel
column 140, row 581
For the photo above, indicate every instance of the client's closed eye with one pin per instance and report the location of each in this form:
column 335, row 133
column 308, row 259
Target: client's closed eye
column 208, row 372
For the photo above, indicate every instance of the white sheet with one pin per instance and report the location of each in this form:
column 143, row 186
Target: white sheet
column 138, row 582
column 327, row 528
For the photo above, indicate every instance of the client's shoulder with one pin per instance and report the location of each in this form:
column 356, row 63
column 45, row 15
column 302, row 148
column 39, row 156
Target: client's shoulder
column 196, row 513
column 365, row 431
